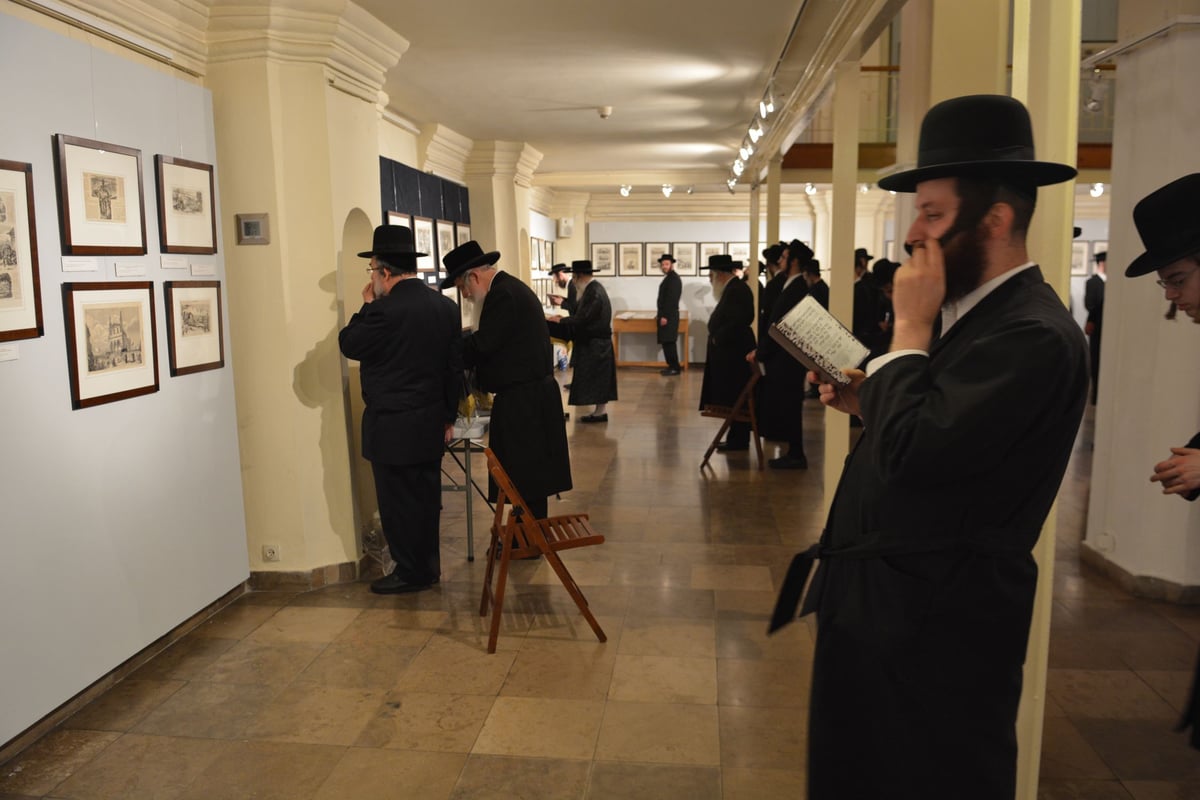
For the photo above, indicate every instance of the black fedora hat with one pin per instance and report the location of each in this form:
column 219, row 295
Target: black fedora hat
column 799, row 250
column 980, row 135
column 1168, row 220
column 392, row 240
column 467, row 255
column 861, row 252
column 719, row 263
column 666, row 257
column 582, row 268
column 557, row 268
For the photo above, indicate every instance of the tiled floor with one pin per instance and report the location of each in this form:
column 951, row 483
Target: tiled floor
column 339, row 693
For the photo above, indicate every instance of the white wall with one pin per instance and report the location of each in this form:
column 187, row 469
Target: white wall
column 122, row 520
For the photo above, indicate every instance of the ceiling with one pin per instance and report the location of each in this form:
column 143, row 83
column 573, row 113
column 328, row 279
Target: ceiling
column 683, row 79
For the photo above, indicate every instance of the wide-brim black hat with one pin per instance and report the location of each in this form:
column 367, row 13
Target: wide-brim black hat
column 799, row 250
column 392, row 240
column 1168, row 220
column 980, row 135
column 666, row 257
column 467, row 255
column 559, row 268
column 719, row 263
column 582, row 268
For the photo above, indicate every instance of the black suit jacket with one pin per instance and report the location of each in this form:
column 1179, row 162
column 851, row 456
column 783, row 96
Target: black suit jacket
column 730, row 340
column 766, row 301
column 409, row 344
column 781, row 398
column 820, row 292
column 1093, row 300
column 670, row 290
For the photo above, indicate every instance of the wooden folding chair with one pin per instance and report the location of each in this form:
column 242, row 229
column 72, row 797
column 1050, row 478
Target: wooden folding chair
column 741, row 411
column 519, row 535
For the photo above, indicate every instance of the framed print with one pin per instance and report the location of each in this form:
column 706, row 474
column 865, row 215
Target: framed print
column 20, row 284
column 630, row 259
column 462, row 233
column 1079, row 258
column 535, row 253
column 111, row 341
column 396, row 218
column 653, row 251
column 739, row 251
column 253, row 228
column 187, row 219
column 99, row 197
column 604, row 260
column 425, row 243
column 685, row 258
column 710, row 249
column 445, row 240
column 194, row 341
column 547, row 254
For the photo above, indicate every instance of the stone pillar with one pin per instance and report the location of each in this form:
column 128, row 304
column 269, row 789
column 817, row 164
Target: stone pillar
column 498, row 176
column 755, row 220
column 774, row 182
column 296, row 106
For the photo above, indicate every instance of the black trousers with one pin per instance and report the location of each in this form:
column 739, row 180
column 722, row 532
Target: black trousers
column 671, row 354
column 410, row 508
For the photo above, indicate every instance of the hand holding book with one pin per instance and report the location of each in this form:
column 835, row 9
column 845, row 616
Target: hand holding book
column 812, row 336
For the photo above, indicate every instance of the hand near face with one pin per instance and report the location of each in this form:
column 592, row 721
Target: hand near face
column 842, row 398
column 919, row 287
column 368, row 293
column 1179, row 474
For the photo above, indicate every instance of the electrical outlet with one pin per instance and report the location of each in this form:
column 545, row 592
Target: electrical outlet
column 270, row 552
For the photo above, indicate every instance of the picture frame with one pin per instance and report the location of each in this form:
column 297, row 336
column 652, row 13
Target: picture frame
column 654, row 251
column 253, row 228
column 99, row 197
column 445, row 240
column 195, row 325
column 396, row 218
column 686, row 259
column 604, row 259
column 739, row 251
column 708, row 249
column 1098, row 246
column 423, row 240
column 547, row 254
column 462, row 233
column 1079, row 258
column 630, row 261
column 20, row 278
column 187, row 215
column 112, row 343
column 535, row 253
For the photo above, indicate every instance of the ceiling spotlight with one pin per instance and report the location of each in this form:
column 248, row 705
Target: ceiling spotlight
column 767, row 104
column 667, row 189
column 809, row 189
column 1096, row 190
column 604, row 111
column 691, row 189
column 732, row 182
column 746, row 151
column 625, row 190
column 863, row 188
column 756, row 131
column 738, row 167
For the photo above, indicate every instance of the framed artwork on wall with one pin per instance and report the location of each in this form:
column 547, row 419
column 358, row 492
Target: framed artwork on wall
column 20, row 283
column 111, row 341
column 708, row 249
column 547, row 254
column 654, row 250
column 462, row 233
column 445, row 240
column 194, row 325
column 631, row 259
column 99, row 197
column 685, row 258
column 187, row 217
column 422, row 228
column 739, row 251
column 1079, row 258
column 253, row 228
column 396, row 218
column 535, row 253
column 604, row 260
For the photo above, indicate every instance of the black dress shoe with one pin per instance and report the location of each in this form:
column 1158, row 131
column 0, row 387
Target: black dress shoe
column 788, row 462
column 670, row 371
column 594, row 418
column 726, row 447
column 394, row 584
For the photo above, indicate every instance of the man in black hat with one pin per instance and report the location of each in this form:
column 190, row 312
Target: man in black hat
column 781, row 396
column 561, row 275
column 670, row 290
column 408, row 341
column 589, row 330
column 817, row 286
column 1093, row 301
column 866, row 306
column 776, row 276
column 512, row 357
column 926, row 581
column 730, row 338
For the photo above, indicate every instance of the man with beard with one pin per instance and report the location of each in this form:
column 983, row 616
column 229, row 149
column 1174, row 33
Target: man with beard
column 730, row 337
column 512, row 357
column 670, row 290
column 561, row 275
column 926, row 580
column 408, row 341
column 589, row 330
column 781, row 395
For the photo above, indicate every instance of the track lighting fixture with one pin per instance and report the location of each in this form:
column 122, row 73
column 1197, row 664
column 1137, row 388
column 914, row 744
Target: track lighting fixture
column 667, row 189
column 809, row 189
column 1096, row 190
column 625, row 190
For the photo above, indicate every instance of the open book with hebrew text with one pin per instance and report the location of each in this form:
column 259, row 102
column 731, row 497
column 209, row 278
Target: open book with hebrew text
column 812, row 336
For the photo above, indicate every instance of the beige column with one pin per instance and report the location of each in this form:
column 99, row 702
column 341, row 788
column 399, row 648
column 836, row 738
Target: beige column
column 295, row 106
column 1046, row 78
column 916, row 26
column 498, row 176
column 774, row 184
column 755, row 224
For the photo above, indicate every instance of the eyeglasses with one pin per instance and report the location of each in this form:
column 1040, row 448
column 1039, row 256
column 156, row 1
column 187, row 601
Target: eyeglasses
column 374, row 269
column 1177, row 282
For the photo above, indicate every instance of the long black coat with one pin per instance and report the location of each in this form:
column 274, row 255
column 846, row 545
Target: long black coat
column 730, row 340
column 926, row 582
column 409, row 344
column 590, row 331
column 766, row 301
column 820, row 293
column 670, row 290
column 781, row 392
column 512, row 357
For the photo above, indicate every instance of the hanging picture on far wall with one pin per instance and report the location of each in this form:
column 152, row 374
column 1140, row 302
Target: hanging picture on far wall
column 194, row 342
column 445, row 240
column 631, row 259
column 187, row 220
column 1079, row 258
column 740, row 251
column 111, row 341
column 655, row 251
column 425, row 243
column 685, row 258
column 462, row 233
column 20, row 288
column 547, row 254
column 604, row 260
column 710, row 249
column 99, row 197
